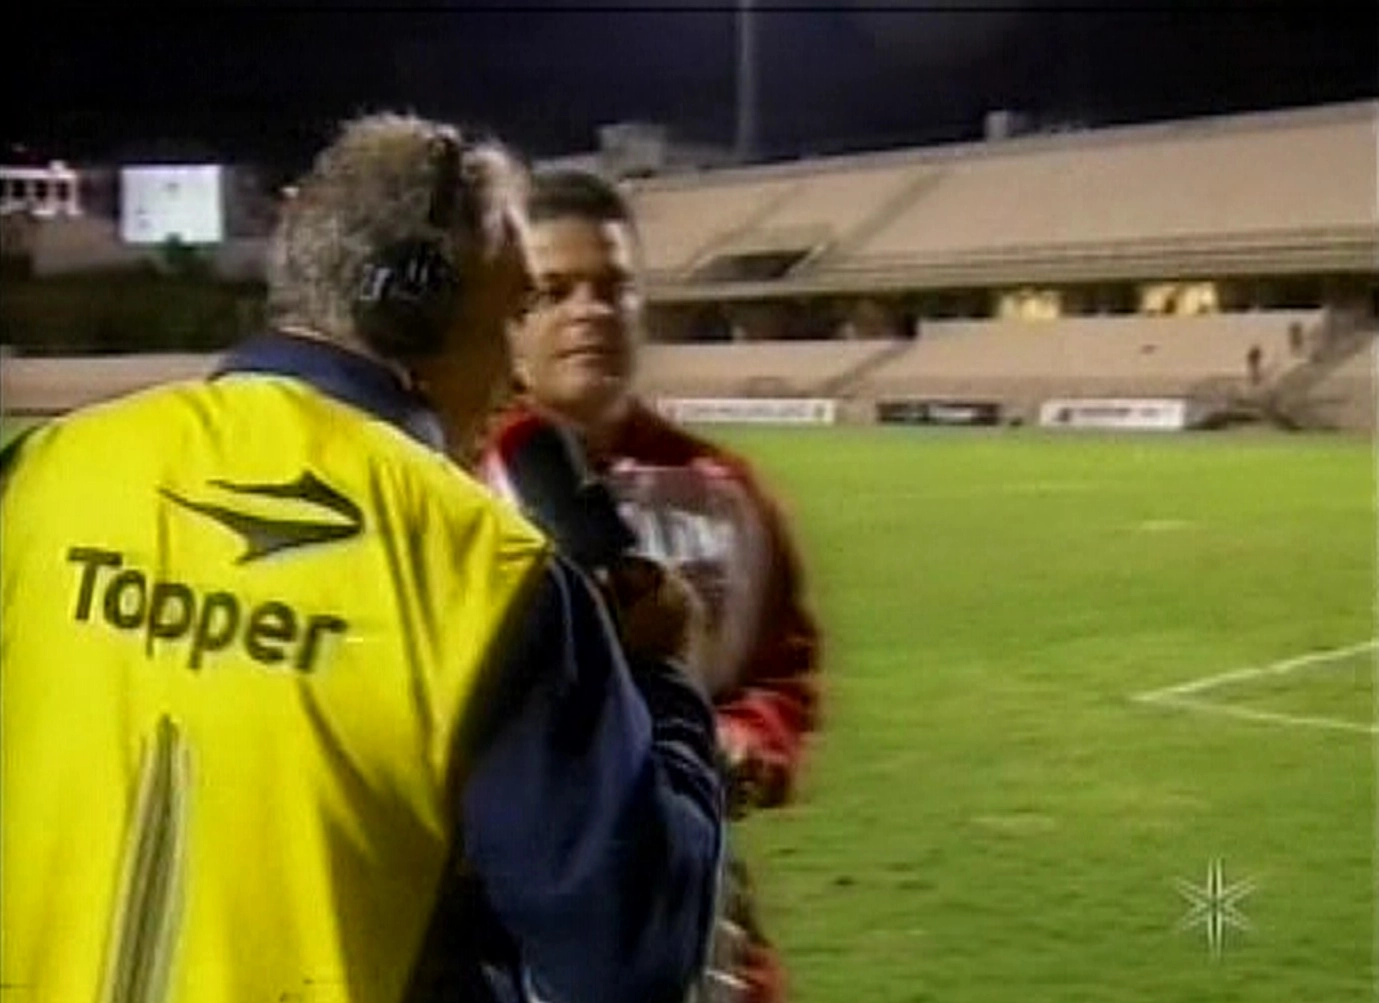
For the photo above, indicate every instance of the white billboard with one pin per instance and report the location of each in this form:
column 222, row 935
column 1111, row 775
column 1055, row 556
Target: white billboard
column 749, row 410
column 1149, row 414
column 165, row 202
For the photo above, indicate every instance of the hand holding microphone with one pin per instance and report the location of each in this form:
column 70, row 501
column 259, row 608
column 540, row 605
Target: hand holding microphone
column 543, row 469
column 659, row 613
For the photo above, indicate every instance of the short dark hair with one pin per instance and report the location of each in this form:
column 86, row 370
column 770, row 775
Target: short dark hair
column 563, row 194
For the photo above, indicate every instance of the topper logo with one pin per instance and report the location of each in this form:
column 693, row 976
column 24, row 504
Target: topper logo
column 167, row 613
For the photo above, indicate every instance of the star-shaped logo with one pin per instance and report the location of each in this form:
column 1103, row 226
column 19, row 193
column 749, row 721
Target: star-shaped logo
column 1214, row 905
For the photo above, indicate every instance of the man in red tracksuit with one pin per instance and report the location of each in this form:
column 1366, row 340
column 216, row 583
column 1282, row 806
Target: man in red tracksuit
column 691, row 504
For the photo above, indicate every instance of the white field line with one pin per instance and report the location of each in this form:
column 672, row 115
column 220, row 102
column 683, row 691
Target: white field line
column 1178, row 695
column 1270, row 717
column 1253, row 672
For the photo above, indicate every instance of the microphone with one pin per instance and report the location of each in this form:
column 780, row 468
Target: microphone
column 543, row 469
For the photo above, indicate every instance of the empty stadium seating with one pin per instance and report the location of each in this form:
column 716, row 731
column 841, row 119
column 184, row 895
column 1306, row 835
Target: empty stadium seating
column 1018, row 363
column 1111, row 348
column 962, row 227
column 681, row 220
column 1348, row 397
column 761, row 368
column 1151, row 184
column 1015, row 363
column 1297, row 186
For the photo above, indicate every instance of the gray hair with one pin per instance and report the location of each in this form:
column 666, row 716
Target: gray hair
column 375, row 186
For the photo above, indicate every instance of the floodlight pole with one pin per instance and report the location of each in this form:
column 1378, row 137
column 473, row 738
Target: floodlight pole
column 746, row 139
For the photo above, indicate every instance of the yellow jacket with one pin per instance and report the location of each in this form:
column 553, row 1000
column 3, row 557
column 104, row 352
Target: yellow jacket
column 240, row 625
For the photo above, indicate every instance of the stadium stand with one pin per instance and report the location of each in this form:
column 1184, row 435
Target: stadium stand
column 750, row 368
column 1344, row 397
column 1119, row 352
column 1228, row 195
column 1143, row 260
column 1249, row 235
column 1142, row 185
column 678, row 225
column 818, row 213
column 1337, row 386
column 1017, row 363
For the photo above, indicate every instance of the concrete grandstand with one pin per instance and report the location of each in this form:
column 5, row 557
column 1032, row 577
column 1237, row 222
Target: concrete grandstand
column 1205, row 259
column 1271, row 194
column 1230, row 264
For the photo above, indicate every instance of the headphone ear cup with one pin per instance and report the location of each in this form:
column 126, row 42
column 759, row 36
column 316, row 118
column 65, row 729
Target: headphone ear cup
column 408, row 298
column 410, row 292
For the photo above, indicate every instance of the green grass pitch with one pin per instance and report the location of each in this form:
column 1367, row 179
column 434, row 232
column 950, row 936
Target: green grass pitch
column 989, row 814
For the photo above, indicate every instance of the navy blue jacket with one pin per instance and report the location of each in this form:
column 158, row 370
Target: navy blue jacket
column 592, row 816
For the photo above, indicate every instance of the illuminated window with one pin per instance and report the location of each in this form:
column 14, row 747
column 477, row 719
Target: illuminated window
column 1030, row 305
column 1180, row 299
column 1199, row 297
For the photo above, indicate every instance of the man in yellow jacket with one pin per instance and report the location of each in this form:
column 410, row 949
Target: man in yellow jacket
column 290, row 708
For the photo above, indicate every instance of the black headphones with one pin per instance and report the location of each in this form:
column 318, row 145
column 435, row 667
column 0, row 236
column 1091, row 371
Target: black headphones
column 410, row 291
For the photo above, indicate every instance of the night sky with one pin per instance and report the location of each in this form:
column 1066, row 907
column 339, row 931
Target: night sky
column 251, row 80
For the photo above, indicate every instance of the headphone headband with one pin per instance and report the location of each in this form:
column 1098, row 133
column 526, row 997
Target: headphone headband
column 449, row 162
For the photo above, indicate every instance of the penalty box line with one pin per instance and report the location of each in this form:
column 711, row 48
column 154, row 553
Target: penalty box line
column 1266, row 716
column 1187, row 696
column 1256, row 671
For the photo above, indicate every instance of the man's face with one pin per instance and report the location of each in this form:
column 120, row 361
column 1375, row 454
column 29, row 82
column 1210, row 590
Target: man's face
column 500, row 289
column 575, row 349
column 464, row 378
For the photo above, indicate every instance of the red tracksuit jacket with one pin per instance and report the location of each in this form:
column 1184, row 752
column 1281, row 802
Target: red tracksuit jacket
column 771, row 703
